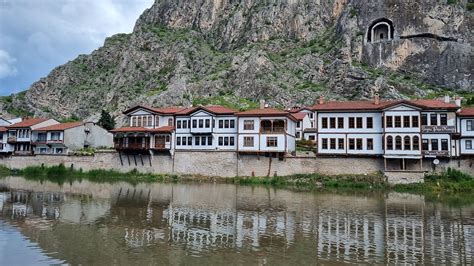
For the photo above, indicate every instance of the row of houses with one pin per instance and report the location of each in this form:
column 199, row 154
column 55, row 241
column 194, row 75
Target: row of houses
column 402, row 130
column 36, row 136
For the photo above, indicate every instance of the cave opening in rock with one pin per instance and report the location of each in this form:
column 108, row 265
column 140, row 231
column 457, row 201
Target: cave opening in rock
column 380, row 30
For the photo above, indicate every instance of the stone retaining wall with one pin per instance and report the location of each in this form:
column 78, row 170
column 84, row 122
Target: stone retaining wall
column 223, row 164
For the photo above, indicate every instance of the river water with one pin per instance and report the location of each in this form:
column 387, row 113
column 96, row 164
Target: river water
column 101, row 224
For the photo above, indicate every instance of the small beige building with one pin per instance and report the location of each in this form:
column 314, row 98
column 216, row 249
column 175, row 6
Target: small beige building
column 65, row 138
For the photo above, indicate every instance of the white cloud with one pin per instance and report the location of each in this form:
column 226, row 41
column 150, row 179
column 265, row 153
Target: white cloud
column 42, row 34
column 7, row 67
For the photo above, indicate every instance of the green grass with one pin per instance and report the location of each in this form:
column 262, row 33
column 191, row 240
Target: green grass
column 61, row 174
column 227, row 100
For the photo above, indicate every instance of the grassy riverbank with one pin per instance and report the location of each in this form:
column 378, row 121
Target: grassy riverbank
column 451, row 181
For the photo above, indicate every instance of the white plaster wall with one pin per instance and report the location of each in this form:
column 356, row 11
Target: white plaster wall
column 376, row 117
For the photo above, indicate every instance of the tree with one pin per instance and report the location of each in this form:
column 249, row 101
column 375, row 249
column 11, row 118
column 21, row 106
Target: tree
column 106, row 121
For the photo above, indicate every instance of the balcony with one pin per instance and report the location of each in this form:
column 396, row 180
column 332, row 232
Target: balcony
column 38, row 141
column 132, row 146
column 54, row 141
column 162, row 146
column 12, row 139
column 438, row 129
column 435, row 153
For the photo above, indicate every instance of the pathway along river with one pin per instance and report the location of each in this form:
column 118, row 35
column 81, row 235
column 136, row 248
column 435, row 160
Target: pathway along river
column 101, row 223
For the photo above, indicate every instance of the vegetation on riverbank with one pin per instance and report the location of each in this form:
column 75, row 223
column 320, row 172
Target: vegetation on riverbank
column 437, row 185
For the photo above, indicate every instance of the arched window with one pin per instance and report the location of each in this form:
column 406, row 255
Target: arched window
column 406, row 143
column 380, row 30
column 398, row 143
column 416, row 143
column 389, row 143
column 170, row 121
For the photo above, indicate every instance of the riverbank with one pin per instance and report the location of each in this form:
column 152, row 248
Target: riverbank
column 451, row 181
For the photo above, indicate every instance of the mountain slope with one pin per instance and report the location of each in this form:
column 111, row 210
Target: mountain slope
column 286, row 51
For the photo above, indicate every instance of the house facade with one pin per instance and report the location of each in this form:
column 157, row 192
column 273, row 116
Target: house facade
column 465, row 127
column 268, row 131
column 65, row 138
column 19, row 135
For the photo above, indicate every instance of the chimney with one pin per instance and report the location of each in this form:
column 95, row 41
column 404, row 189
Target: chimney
column 262, row 104
column 457, row 101
column 321, row 99
column 447, row 99
column 376, row 99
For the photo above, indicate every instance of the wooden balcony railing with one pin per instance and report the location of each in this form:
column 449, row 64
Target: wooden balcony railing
column 132, row 146
column 11, row 139
column 278, row 130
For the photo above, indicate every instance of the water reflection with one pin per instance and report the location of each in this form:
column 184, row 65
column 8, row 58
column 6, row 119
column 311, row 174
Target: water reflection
column 89, row 223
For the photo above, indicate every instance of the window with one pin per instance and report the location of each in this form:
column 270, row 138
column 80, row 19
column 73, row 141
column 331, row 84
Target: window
column 398, row 143
column 221, row 123
column 469, row 126
column 190, row 141
column 248, row 125
column 194, row 123
column 398, row 121
column 226, row 141
column 360, row 122
column 59, row 150
column 312, row 137
column 359, row 144
column 433, row 119
column 370, row 122
column 389, row 121
column 226, row 123
column 332, row 122
column 333, row 144
column 203, row 141
column 406, row 143
column 178, row 124
column 351, row 144
column 272, row 142
column 414, row 121
column 134, row 121
column 351, row 122
column 178, row 141
column 416, row 143
column 208, row 123
column 248, row 141
column 201, row 123
column 340, row 122
column 434, row 144
column 139, row 121
column 424, row 119
column 469, row 144
column 406, row 121
column 370, row 144
column 443, row 119
column 221, row 141
column 298, row 135
column 444, row 145
column 425, row 145
column 232, row 141
column 340, row 144
column 209, row 140
column 150, row 121
column 196, row 141
column 324, row 144
column 324, row 122
column 232, row 123
column 157, row 121
column 55, row 135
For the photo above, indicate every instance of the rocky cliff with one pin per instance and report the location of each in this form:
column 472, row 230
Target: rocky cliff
column 235, row 52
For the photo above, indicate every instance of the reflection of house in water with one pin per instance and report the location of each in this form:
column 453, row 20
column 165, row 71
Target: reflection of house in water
column 22, row 203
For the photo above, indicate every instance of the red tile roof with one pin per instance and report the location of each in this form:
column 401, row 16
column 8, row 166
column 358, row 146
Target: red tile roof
column 434, row 104
column 60, row 127
column 169, row 110
column 28, row 122
column 263, row 112
column 467, row 111
column 142, row 129
column 299, row 116
column 216, row 109
column 3, row 129
column 370, row 105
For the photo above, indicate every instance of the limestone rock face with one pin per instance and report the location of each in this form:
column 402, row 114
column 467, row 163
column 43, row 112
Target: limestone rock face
column 235, row 52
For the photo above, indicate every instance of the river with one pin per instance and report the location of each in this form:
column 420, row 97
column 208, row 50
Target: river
column 82, row 222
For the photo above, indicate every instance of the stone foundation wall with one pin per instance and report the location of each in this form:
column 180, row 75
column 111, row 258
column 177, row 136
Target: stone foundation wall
column 223, row 164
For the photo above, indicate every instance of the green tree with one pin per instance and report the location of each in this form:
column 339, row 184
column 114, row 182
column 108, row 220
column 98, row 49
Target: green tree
column 106, row 121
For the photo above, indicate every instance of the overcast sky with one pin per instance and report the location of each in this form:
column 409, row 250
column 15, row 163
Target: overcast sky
column 38, row 35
